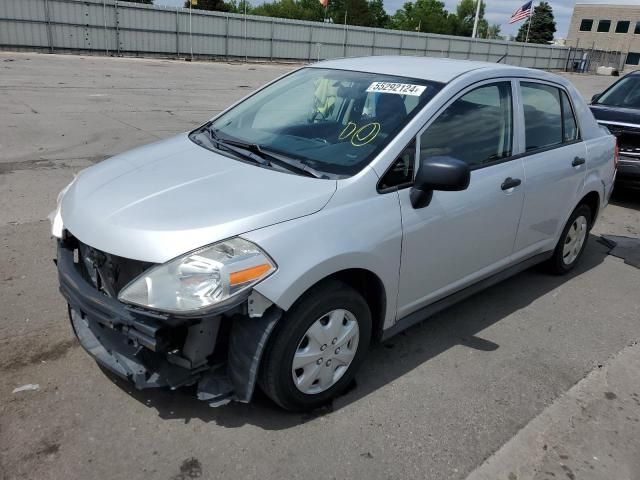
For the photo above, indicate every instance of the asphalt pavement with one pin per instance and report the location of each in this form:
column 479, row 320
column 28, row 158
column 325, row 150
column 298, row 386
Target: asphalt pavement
column 433, row 403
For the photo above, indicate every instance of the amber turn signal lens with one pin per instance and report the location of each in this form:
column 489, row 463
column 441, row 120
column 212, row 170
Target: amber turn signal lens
column 249, row 274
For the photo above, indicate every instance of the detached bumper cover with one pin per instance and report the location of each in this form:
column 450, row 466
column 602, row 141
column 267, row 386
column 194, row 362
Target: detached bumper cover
column 140, row 346
column 115, row 351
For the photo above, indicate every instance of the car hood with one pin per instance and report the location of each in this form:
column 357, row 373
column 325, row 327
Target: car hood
column 616, row 114
column 159, row 201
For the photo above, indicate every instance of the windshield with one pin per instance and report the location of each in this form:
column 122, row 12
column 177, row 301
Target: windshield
column 625, row 93
column 332, row 121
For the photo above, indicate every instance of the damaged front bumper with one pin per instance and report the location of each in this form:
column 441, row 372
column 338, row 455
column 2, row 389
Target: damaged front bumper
column 220, row 352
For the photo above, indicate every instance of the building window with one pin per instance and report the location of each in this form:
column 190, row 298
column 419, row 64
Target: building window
column 604, row 25
column 633, row 58
column 622, row 26
column 637, row 30
column 586, row 25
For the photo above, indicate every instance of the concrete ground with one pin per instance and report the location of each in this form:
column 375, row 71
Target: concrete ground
column 434, row 402
column 591, row 432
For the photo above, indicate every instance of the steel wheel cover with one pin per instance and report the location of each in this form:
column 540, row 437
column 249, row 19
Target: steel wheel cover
column 574, row 240
column 325, row 351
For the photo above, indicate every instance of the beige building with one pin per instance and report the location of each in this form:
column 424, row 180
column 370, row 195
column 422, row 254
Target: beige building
column 607, row 27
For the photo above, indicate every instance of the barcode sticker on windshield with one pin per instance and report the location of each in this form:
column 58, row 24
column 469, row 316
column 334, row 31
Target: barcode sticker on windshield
column 399, row 88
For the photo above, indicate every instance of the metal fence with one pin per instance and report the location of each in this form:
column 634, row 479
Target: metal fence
column 121, row 28
column 587, row 60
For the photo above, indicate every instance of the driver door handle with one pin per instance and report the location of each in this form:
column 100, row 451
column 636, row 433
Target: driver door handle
column 578, row 161
column 510, row 183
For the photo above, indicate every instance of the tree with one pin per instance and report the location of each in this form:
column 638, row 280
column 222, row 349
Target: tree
column 369, row 13
column 313, row 10
column 300, row 10
column 543, row 26
column 378, row 13
column 493, row 32
column 466, row 15
column 218, row 5
column 424, row 16
column 240, row 6
column 358, row 12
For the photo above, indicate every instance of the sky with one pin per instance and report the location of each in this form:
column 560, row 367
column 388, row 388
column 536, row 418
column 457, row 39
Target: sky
column 497, row 11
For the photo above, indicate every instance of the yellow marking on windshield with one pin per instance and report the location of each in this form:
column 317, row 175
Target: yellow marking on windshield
column 346, row 133
column 363, row 136
column 360, row 135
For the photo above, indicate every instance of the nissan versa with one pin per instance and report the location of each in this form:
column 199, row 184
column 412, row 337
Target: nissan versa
column 336, row 206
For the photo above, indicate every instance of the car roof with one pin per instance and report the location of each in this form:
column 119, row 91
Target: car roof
column 426, row 68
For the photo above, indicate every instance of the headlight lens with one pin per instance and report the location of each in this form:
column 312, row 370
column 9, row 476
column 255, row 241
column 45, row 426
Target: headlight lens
column 56, row 216
column 200, row 279
column 56, row 222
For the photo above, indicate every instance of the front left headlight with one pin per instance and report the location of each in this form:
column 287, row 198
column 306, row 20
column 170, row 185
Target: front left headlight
column 56, row 216
column 200, row 279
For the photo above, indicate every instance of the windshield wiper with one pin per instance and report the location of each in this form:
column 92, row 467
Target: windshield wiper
column 293, row 164
column 265, row 158
column 242, row 151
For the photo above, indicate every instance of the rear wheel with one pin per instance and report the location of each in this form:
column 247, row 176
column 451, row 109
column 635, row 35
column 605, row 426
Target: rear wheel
column 572, row 242
column 317, row 347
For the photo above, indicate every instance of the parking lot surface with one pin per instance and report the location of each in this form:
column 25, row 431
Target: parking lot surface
column 431, row 403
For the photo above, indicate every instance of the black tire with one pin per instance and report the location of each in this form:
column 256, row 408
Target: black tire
column 276, row 378
column 557, row 264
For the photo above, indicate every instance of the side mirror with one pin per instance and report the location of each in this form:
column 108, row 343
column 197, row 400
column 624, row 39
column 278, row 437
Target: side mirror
column 438, row 173
column 595, row 98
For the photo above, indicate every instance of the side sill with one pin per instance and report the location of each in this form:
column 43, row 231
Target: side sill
column 435, row 307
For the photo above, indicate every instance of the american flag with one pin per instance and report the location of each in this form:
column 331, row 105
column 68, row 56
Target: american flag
column 523, row 12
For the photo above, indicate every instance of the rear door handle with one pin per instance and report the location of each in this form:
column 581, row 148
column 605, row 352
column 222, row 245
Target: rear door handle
column 578, row 161
column 510, row 183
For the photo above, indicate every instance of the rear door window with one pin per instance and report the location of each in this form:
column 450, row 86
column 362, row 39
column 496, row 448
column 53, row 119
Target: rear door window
column 549, row 119
column 569, row 125
column 542, row 115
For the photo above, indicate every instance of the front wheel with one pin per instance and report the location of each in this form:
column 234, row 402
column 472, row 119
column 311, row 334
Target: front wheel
column 317, row 347
column 573, row 241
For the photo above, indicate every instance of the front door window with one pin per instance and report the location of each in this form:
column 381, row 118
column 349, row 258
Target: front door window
column 476, row 128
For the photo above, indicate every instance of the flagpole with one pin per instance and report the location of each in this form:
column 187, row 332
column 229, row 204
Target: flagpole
column 245, row 31
column 475, row 22
column 190, row 31
column 345, row 34
column 325, row 4
column 529, row 27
